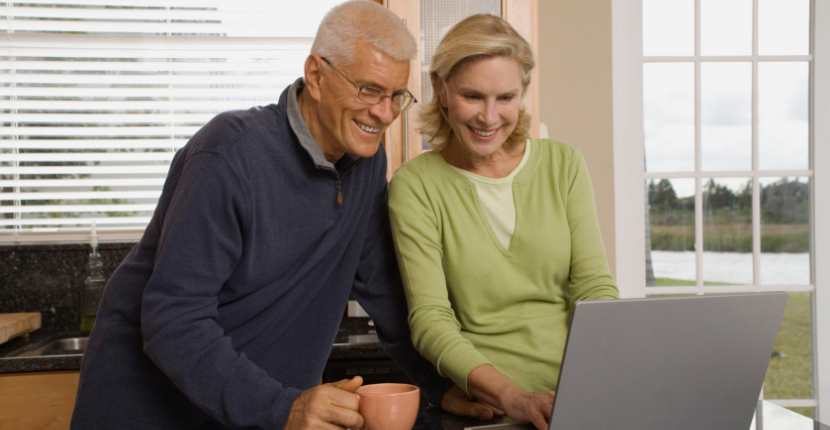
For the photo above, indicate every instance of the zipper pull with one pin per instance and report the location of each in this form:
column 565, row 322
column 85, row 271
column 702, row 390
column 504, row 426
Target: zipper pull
column 339, row 193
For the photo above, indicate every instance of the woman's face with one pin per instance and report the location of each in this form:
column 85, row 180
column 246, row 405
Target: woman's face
column 483, row 100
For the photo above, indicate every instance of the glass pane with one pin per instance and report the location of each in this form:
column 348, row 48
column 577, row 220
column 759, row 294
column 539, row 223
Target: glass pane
column 670, row 232
column 437, row 17
column 783, row 116
column 669, row 116
column 790, row 372
column 807, row 412
column 668, row 27
column 785, row 231
column 727, row 231
column 783, row 27
column 725, row 27
column 726, row 110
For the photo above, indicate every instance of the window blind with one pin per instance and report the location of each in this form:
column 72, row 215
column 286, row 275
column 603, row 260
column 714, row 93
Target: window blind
column 97, row 95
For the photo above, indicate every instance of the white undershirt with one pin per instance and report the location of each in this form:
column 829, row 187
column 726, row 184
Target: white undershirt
column 496, row 198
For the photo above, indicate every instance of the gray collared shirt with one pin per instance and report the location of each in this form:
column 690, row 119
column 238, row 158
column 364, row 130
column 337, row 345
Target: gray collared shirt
column 295, row 118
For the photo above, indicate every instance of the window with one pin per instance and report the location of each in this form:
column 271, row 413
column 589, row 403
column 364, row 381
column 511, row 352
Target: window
column 728, row 162
column 97, row 95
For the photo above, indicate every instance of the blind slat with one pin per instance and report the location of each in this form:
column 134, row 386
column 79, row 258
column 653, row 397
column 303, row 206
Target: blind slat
column 138, row 105
column 195, row 93
column 92, row 144
column 89, row 156
column 277, row 15
column 97, row 131
column 270, row 80
column 50, row 183
column 115, row 13
column 77, row 208
column 70, row 170
column 248, row 67
column 139, row 222
column 137, row 118
column 89, row 195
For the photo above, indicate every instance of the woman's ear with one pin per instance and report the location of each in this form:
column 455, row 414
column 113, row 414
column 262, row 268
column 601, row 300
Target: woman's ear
column 313, row 76
column 441, row 88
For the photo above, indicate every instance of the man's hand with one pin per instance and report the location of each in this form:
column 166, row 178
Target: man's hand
column 327, row 407
column 456, row 401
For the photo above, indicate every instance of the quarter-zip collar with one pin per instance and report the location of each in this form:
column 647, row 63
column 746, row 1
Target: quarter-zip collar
column 295, row 118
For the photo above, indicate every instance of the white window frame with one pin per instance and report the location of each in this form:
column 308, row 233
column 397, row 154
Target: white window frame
column 630, row 176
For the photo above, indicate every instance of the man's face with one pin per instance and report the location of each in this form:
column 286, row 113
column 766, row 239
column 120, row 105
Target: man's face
column 350, row 125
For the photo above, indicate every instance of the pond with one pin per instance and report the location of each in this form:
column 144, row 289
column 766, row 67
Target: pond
column 734, row 267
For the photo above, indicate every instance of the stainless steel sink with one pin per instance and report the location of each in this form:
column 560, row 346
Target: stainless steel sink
column 68, row 344
column 65, row 346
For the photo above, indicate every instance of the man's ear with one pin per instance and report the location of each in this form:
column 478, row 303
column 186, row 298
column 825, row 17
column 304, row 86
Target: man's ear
column 314, row 76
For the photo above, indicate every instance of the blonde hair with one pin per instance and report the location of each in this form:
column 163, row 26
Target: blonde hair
column 475, row 38
column 347, row 23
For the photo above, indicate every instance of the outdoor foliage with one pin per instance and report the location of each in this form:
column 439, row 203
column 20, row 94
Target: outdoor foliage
column 728, row 217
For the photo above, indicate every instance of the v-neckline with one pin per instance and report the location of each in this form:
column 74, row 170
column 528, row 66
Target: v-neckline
column 521, row 177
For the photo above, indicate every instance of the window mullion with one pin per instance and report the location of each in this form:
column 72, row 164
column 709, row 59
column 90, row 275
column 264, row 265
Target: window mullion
column 756, row 182
column 698, row 161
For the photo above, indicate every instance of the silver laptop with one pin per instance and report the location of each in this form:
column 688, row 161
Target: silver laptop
column 665, row 363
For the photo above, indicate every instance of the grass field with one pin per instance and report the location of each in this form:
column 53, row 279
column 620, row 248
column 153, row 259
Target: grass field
column 731, row 237
column 789, row 376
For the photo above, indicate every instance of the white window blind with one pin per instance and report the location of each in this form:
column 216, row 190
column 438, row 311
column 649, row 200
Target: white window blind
column 96, row 96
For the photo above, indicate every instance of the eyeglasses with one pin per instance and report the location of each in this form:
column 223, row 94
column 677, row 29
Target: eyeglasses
column 373, row 96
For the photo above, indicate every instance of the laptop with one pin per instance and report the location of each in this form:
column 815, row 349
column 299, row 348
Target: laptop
column 681, row 363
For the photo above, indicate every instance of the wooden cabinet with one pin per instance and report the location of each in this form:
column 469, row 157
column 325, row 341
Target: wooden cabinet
column 521, row 14
column 37, row 400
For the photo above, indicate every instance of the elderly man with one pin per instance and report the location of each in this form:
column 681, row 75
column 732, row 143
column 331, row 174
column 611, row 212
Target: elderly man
column 224, row 313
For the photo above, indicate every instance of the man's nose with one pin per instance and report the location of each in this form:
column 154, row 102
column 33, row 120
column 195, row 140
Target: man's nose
column 383, row 111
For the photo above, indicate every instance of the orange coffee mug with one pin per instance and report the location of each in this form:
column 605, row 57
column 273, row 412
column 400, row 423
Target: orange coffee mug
column 389, row 406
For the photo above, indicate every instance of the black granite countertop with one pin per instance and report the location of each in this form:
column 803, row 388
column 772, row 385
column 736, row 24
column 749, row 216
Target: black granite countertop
column 430, row 418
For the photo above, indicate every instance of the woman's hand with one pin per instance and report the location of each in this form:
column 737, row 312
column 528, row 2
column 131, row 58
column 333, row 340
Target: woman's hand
column 492, row 387
column 531, row 406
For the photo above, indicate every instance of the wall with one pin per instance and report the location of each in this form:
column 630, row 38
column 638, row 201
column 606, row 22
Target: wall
column 575, row 90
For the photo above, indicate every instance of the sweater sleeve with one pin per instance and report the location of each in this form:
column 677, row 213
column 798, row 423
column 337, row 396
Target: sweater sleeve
column 378, row 289
column 200, row 245
column 436, row 332
column 590, row 278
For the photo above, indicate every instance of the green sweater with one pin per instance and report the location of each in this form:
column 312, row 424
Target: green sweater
column 473, row 302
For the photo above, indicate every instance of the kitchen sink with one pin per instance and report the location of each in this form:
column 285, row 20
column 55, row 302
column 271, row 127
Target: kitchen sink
column 65, row 346
column 68, row 344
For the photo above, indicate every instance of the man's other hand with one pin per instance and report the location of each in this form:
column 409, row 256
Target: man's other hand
column 457, row 402
column 327, row 407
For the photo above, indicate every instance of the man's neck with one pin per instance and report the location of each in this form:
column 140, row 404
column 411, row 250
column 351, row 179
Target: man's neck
column 308, row 109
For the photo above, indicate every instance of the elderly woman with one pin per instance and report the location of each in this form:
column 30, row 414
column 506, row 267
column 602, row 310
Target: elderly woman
column 496, row 233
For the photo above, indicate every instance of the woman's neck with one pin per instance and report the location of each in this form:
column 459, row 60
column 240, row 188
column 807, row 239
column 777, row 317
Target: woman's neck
column 499, row 164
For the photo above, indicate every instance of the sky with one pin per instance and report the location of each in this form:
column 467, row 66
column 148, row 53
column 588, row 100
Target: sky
column 726, row 87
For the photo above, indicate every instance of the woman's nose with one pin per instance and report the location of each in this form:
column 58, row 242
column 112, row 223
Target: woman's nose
column 489, row 114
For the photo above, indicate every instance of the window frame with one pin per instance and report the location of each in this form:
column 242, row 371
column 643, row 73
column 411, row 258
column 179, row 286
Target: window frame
column 630, row 174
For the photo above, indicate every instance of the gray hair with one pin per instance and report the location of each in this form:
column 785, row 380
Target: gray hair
column 347, row 23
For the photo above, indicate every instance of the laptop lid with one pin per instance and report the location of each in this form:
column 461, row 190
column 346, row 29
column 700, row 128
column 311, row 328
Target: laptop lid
column 674, row 362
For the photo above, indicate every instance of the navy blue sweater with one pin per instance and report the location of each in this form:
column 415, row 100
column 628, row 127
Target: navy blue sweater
column 228, row 306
